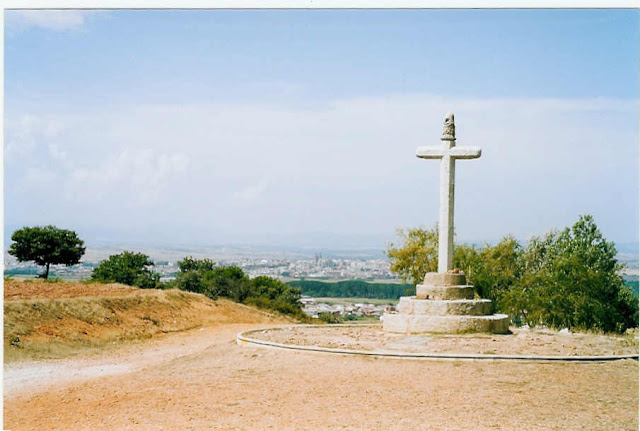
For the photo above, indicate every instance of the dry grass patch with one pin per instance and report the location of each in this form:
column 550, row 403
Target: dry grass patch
column 55, row 320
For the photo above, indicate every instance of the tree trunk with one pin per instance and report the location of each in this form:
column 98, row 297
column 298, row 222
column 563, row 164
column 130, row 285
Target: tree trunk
column 46, row 273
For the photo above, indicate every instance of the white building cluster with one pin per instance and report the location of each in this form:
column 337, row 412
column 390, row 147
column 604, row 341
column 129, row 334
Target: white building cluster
column 313, row 308
column 323, row 268
column 318, row 267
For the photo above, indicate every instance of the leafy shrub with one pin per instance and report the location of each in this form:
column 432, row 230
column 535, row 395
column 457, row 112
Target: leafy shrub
column 127, row 268
column 191, row 264
column 330, row 318
column 202, row 276
column 572, row 279
column 567, row 279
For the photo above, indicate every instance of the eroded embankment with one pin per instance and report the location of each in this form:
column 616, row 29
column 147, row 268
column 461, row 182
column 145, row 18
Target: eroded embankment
column 55, row 320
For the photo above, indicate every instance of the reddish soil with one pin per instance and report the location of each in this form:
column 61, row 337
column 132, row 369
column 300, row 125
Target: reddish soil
column 201, row 379
column 535, row 342
column 39, row 289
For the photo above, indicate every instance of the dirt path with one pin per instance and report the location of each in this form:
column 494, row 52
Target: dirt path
column 35, row 376
column 202, row 380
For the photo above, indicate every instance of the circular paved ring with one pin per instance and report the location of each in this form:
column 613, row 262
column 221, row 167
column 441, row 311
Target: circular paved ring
column 243, row 338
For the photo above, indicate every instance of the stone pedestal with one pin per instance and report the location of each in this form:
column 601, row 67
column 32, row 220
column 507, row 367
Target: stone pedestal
column 444, row 303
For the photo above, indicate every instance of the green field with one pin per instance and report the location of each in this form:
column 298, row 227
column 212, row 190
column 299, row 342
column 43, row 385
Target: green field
column 352, row 289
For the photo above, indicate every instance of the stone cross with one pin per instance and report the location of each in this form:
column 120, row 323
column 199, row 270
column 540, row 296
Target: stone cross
column 448, row 154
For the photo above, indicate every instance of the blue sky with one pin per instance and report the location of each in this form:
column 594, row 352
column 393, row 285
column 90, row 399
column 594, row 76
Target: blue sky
column 234, row 125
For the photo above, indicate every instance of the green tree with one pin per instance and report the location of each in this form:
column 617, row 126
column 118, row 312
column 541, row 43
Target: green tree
column 466, row 258
column 563, row 279
column 190, row 276
column 46, row 246
column 572, row 279
column 202, row 276
column 496, row 269
column 127, row 268
column 417, row 255
column 228, row 281
column 191, row 264
column 285, row 298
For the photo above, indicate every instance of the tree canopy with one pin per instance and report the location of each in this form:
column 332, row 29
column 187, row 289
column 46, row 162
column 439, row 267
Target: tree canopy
column 127, row 268
column 572, row 279
column 202, row 276
column 417, row 255
column 46, row 246
column 563, row 279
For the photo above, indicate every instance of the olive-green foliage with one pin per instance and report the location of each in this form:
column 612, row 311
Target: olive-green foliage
column 494, row 269
column 417, row 255
column 330, row 318
column 46, row 246
column 127, row 268
column 571, row 279
column 191, row 264
column 202, row 276
column 563, row 279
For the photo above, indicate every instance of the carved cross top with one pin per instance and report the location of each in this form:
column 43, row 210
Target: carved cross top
column 448, row 153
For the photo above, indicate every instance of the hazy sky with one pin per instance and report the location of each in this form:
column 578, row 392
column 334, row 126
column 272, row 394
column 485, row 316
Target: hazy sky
column 214, row 126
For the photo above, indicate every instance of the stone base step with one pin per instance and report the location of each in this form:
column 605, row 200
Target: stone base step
column 435, row 307
column 428, row 291
column 416, row 323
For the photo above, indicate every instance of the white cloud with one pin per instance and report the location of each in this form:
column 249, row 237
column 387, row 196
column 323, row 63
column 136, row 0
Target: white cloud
column 56, row 20
column 29, row 132
column 349, row 166
column 21, row 136
column 56, row 152
column 39, row 177
column 134, row 175
column 251, row 193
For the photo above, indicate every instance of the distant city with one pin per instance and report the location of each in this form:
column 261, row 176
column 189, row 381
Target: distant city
column 365, row 264
column 296, row 266
column 284, row 264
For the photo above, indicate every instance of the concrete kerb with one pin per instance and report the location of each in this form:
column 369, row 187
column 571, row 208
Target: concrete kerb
column 243, row 338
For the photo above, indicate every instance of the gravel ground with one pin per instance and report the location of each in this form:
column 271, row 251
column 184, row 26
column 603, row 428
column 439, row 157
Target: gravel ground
column 536, row 342
column 202, row 379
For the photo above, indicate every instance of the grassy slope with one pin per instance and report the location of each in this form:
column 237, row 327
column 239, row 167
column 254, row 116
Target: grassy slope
column 43, row 324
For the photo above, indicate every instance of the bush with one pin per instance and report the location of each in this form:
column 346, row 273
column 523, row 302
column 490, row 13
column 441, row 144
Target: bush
column 571, row 279
column 202, row 276
column 190, row 281
column 417, row 255
column 127, row 268
column 330, row 318
column 191, row 264
column 567, row 279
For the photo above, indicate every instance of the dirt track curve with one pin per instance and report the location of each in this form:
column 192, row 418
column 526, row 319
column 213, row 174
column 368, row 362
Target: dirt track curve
column 201, row 379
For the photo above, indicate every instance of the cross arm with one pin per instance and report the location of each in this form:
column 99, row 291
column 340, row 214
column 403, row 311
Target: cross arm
column 455, row 152
column 430, row 152
column 465, row 152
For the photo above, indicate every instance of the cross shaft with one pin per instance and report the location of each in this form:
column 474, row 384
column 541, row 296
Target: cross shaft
column 448, row 153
